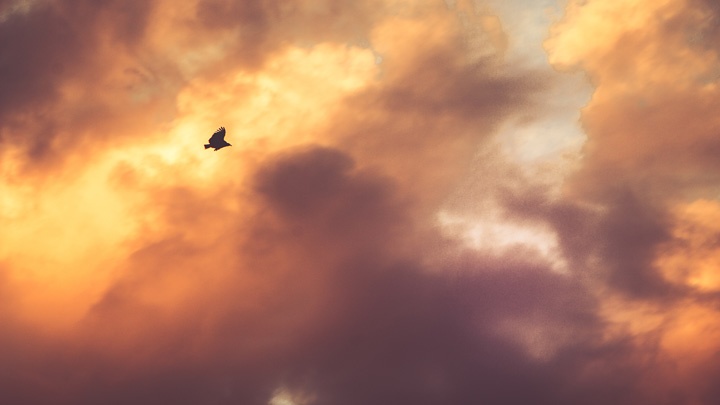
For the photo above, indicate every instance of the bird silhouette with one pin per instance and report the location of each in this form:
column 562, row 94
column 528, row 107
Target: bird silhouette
column 217, row 140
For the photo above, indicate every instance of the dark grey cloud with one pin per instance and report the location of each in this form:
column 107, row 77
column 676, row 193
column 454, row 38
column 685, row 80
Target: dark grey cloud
column 380, row 328
column 329, row 293
column 334, row 309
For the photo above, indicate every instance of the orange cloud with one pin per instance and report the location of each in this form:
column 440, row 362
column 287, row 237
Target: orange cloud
column 650, row 120
column 691, row 257
column 650, row 126
column 306, row 263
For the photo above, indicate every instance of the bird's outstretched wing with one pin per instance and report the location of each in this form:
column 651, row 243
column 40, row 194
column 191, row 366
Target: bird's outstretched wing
column 219, row 135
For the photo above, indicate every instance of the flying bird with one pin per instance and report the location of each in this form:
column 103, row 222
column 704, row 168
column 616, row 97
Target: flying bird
column 217, row 140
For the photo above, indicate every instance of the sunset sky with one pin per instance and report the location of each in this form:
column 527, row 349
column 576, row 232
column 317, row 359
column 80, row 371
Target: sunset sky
column 426, row 202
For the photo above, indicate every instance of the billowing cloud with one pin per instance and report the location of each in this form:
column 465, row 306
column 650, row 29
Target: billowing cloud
column 650, row 124
column 369, row 237
column 648, row 170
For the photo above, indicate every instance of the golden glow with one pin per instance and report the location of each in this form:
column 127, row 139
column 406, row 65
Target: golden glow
column 64, row 240
column 63, row 243
column 685, row 333
column 693, row 335
column 692, row 258
column 590, row 28
column 650, row 43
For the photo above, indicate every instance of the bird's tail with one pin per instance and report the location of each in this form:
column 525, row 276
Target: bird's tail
column 207, row 145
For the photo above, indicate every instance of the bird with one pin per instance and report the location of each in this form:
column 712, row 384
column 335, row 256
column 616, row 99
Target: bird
column 217, row 140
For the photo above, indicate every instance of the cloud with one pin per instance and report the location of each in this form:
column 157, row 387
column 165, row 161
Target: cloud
column 308, row 263
column 52, row 50
column 646, row 163
column 322, row 302
column 648, row 125
column 650, row 120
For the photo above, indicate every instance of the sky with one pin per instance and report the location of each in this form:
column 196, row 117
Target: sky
column 426, row 202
